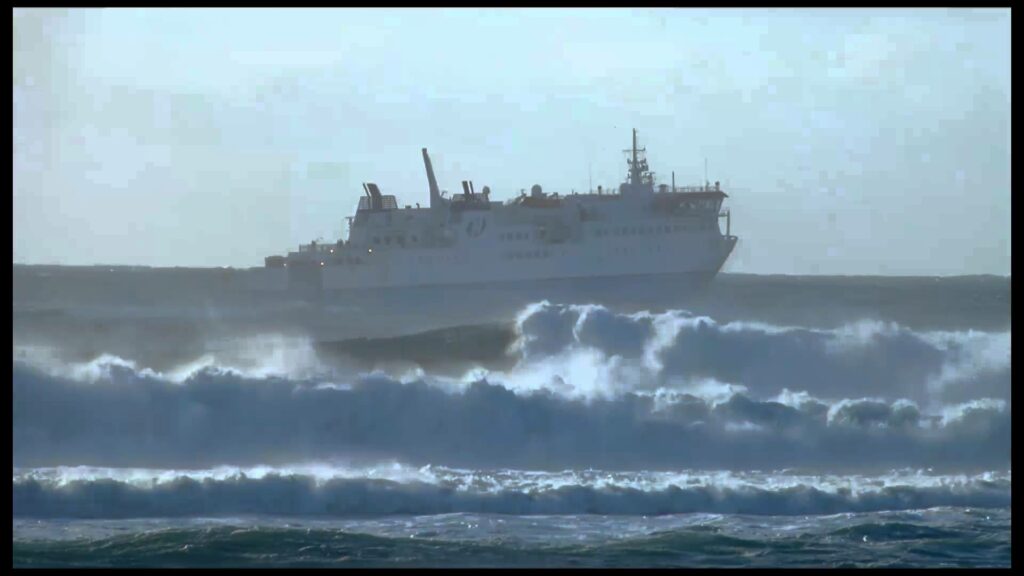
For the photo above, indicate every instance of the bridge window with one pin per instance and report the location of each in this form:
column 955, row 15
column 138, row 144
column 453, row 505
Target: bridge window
column 376, row 239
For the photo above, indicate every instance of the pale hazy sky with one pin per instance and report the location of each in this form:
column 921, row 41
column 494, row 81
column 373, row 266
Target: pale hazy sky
column 850, row 141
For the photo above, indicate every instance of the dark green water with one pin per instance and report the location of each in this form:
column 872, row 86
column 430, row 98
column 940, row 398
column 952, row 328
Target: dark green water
column 939, row 537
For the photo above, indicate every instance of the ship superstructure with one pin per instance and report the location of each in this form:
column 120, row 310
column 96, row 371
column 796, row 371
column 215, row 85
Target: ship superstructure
column 642, row 229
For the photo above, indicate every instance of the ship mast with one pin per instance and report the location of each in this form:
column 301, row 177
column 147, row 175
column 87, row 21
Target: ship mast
column 637, row 164
column 633, row 172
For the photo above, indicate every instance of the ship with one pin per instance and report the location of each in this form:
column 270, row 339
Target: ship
column 468, row 248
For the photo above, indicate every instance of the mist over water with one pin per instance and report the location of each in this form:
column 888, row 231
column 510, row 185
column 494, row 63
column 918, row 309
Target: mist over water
column 805, row 418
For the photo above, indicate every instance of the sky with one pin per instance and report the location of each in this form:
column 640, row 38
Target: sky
column 850, row 141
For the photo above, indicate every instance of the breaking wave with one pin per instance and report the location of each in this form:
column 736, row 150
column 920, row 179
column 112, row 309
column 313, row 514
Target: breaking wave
column 398, row 490
column 213, row 417
column 648, row 351
column 587, row 388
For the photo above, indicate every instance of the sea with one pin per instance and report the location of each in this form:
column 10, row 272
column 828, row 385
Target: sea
column 164, row 418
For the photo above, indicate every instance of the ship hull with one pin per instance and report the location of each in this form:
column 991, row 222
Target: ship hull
column 398, row 309
column 640, row 290
column 339, row 314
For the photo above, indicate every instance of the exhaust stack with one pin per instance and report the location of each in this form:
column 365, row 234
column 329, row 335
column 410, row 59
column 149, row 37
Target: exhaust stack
column 435, row 192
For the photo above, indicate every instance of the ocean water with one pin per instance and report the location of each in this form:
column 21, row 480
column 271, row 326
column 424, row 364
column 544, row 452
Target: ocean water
column 161, row 420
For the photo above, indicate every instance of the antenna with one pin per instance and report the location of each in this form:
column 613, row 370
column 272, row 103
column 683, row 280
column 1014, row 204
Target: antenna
column 705, row 172
column 590, row 176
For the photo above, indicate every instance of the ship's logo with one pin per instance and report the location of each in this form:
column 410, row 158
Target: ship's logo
column 475, row 228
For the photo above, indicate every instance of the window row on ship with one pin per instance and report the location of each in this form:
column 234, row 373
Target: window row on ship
column 541, row 234
column 658, row 229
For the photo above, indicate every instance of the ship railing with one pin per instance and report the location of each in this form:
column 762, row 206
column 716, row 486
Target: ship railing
column 316, row 248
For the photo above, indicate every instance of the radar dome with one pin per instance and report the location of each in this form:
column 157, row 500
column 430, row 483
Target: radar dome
column 535, row 190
